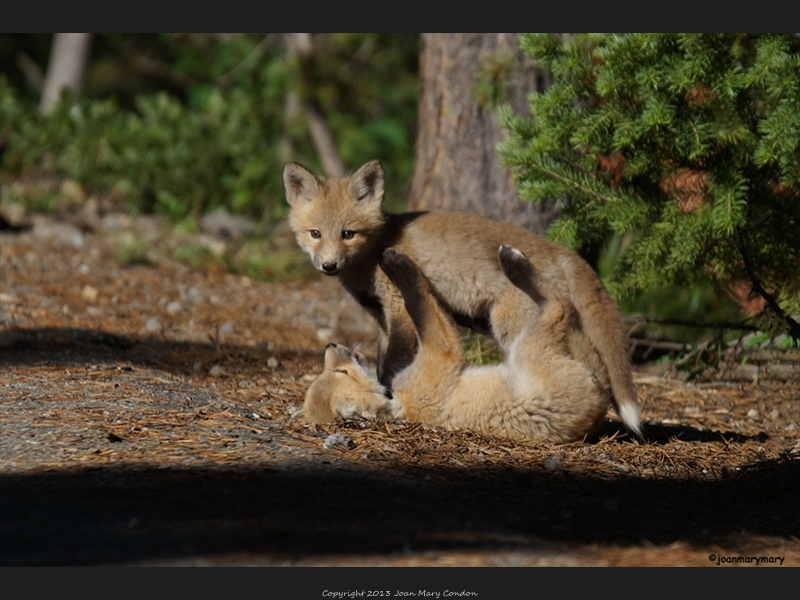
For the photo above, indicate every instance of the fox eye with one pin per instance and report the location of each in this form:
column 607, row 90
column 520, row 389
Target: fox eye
column 343, row 371
column 348, row 234
column 315, row 233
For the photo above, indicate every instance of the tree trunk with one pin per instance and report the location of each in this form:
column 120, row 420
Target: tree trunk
column 66, row 68
column 301, row 45
column 456, row 162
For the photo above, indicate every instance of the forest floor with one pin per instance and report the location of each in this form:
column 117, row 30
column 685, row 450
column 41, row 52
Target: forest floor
column 146, row 419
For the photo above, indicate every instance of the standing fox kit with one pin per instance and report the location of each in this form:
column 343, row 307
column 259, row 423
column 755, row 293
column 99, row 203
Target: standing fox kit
column 341, row 224
column 539, row 393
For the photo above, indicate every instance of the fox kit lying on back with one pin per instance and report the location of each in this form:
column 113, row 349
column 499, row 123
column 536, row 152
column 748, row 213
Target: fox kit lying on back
column 538, row 393
column 340, row 223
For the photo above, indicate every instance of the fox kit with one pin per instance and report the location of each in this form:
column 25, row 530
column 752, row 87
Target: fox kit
column 539, row 393
column 340, row 223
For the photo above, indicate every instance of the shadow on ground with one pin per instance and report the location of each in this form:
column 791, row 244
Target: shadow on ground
column 123, row 515
column 75, row 347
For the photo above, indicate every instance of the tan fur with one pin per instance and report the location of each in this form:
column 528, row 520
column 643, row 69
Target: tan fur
column 346, row 389
column 339, row 222
column 552, row 398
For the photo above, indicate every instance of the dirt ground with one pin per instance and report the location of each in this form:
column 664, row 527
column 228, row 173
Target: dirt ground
column 146, row 419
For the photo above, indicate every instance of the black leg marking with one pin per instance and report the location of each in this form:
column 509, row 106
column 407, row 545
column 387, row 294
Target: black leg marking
column 520, row 272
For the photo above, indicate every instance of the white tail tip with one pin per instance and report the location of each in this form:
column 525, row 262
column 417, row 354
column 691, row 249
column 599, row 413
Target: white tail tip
column 629, row 413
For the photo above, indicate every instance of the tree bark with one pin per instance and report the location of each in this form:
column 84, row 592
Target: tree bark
column 456, row 165
column 66, row 68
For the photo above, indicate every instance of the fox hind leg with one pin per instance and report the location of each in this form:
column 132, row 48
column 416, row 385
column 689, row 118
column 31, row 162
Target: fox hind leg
column 549, row 331
column 521, row 273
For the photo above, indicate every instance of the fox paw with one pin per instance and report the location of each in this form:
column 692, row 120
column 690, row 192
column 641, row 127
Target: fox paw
column 515, row 265
column 520, row 271
column 403, row 273
column 397, row 265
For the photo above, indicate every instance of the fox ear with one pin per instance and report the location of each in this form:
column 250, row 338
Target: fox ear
column 300, row 183
column 366, row 184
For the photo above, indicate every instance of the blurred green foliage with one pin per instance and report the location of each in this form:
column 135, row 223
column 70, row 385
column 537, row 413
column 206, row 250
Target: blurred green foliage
column 181, row 124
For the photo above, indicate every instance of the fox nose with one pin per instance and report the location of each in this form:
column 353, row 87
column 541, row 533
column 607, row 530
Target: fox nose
column 331, row 345
column 329, row 267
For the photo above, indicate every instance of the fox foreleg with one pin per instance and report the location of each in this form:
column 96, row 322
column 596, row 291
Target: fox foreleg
column 435, row 330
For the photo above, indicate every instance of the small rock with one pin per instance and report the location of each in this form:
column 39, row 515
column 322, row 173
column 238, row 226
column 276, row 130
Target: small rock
column 116, row 222
column 752, row 413
column 175, row 307
column 774, row 414
column 152, row 325
column 198, row 367
column 7, row 298
column 15, row 215
column 73, row 191
column 90, row 294
column 216, row 371
column 309, row 377
column 245, row 383
column 226, row 328
column 553, row 462
column 215, row 246
column 194, row 295
column 273, row 362
column 324, row 334
column 339, row 439
column 221, row 223
column 64, row 233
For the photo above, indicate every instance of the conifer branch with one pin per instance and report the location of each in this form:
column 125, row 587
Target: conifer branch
column 701, row 122
column 794, row 326
column 572, row 182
